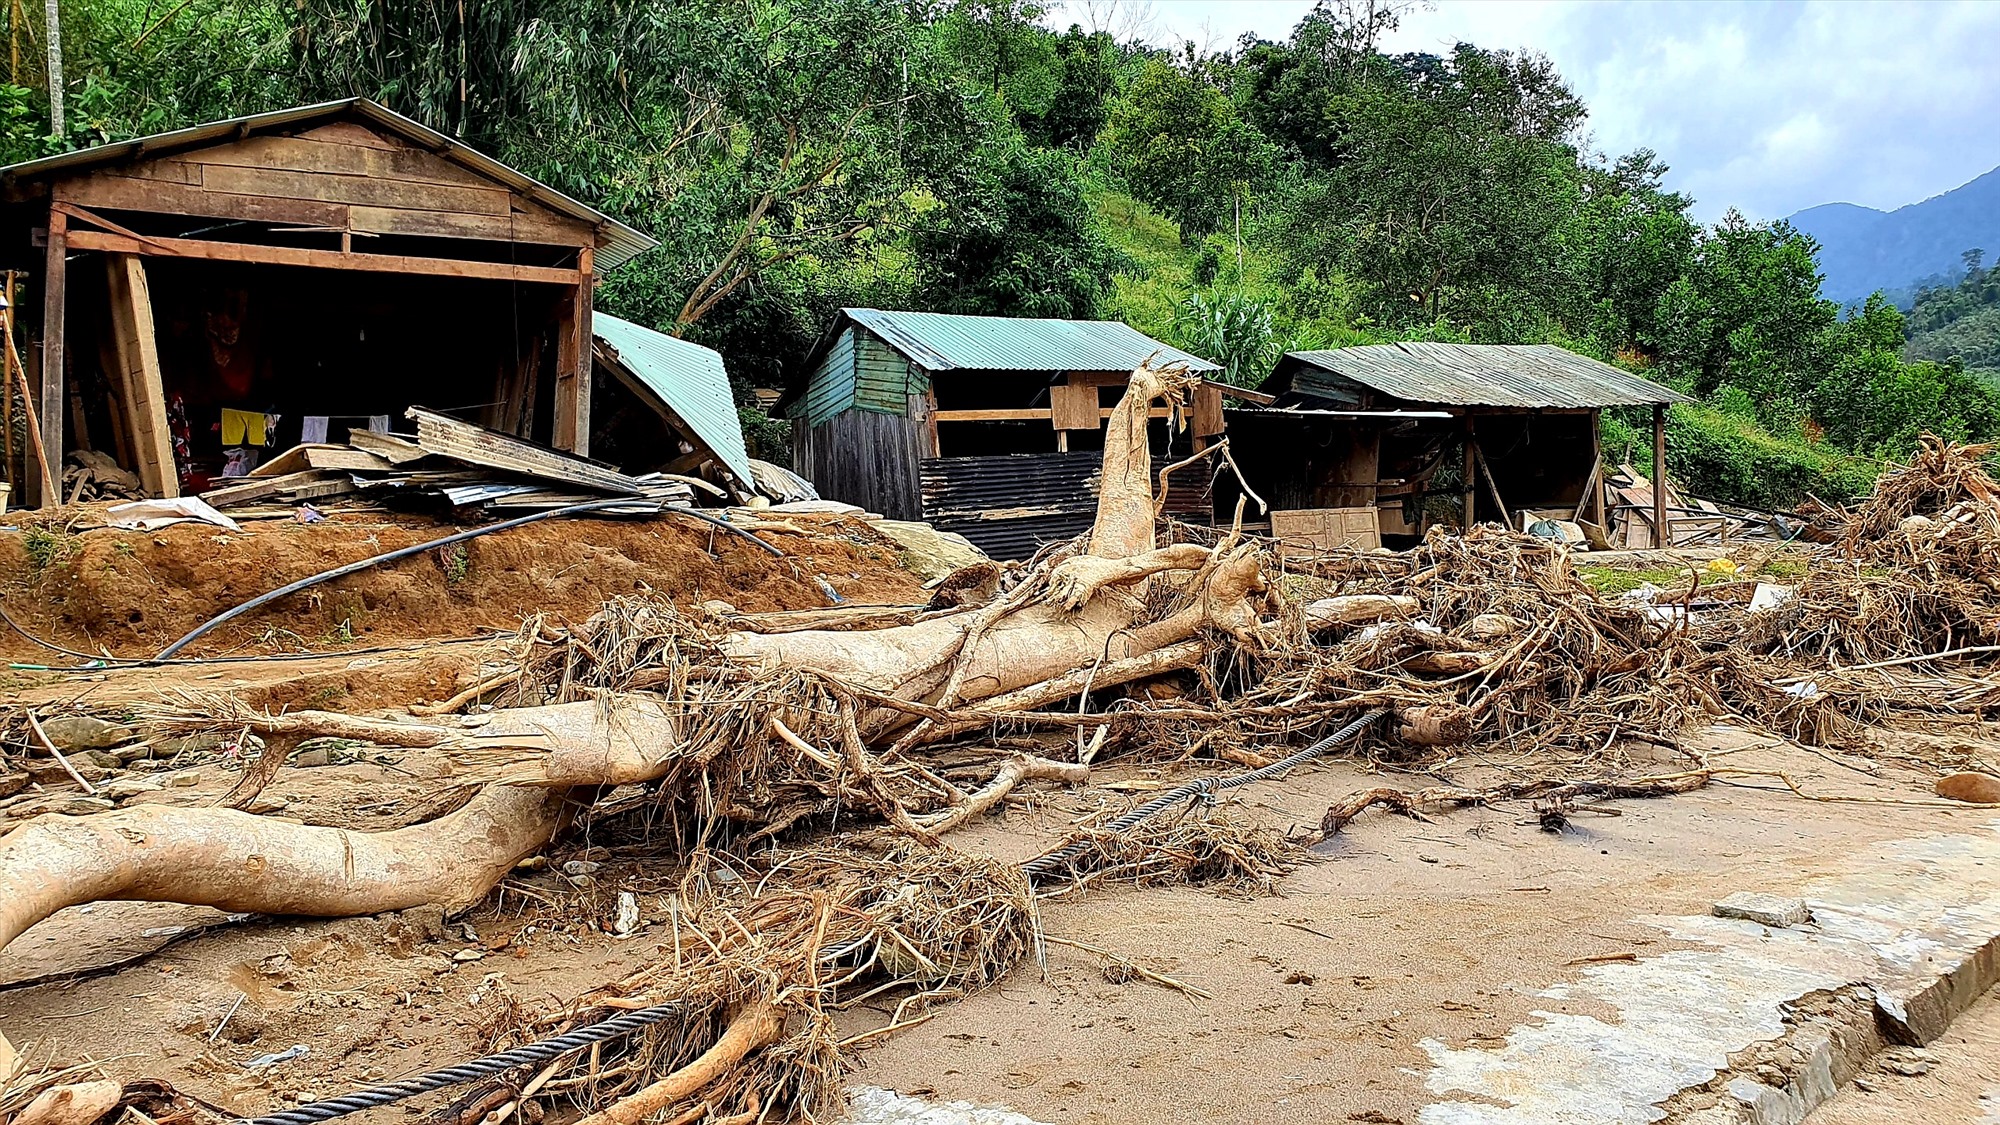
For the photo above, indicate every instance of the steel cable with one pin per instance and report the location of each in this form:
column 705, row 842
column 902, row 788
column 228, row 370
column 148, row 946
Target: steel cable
column 472, row 1071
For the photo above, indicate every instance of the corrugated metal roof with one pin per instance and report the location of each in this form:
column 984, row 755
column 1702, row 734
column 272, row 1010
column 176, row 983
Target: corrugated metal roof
column 948, row 342
column 688, row 379
column 617, row 243
column 1527, row 376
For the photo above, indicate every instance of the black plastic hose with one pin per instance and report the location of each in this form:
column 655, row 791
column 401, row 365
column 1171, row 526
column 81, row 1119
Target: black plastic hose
column 474, row 533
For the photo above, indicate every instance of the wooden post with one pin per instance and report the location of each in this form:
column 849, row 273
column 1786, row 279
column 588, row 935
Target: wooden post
column 1662, row 535
column 1471, row 470
column 55, row 285
column 571, row 430
column 137, row 370
column 1597, row 483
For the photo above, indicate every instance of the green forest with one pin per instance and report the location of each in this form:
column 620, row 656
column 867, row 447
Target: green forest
column 794, row 156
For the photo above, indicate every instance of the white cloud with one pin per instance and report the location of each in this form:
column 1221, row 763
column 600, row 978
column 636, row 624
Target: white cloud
column 1766, row 107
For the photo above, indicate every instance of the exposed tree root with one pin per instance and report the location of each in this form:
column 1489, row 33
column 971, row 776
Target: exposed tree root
column 759, row 1024
column 236, row 861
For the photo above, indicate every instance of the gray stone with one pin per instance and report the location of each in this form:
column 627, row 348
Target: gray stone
column 1769, row 910
column 126, row 788
column 82, row 732
column 309, row 759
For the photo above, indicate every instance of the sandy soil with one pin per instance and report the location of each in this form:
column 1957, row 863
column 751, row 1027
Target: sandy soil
column 131, row 593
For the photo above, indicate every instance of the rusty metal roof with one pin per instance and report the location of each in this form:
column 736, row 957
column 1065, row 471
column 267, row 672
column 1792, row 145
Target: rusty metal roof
column 950, row 342
column 1523, row 376
column 617, row 243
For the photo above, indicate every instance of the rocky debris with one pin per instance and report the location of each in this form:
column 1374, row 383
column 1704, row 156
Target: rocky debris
column 626, row 922
column 1907, row 1062
column 77, row 733
column 928, row 553
column 1775, row 911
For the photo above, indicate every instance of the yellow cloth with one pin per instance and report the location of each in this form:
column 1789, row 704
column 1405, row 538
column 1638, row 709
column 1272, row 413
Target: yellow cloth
column 242, row 427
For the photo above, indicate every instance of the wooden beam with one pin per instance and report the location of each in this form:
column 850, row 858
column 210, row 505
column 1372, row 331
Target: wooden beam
column 1471, row 499
column 1662, row 536
column 55, row 286
column 141, row 390
column 1244, row 393
column 1023, row 415
column 573, row 366
column 319, row 259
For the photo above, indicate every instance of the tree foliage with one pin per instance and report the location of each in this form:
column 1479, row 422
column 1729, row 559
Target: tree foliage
column 793, row 156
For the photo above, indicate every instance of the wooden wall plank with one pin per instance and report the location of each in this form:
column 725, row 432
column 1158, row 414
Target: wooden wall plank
column 1073, row 406
column 372, row 191
column 122, row 193
column 518, row 227
column 299, row 154
column 138, row 375
column 354, row 133
column 864, row 457
column 830, row 388
column 1207, row 413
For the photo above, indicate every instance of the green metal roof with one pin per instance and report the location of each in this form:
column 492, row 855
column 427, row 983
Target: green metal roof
column 685, row 379
column 948, row 341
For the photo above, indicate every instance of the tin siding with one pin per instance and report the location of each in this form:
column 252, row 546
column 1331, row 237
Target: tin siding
column 881, row 376
column 831, row 388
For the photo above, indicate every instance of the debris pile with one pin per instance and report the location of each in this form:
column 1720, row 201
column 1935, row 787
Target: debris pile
column 799, row 768
column 456, row 465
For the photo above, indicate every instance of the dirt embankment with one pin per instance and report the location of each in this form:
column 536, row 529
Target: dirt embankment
column 131, row 593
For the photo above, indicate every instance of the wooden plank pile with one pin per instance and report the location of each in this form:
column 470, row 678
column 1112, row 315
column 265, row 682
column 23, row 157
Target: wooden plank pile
column 451, row 463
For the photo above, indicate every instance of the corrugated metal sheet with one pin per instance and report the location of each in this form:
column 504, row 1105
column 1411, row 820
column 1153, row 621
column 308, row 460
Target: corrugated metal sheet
column 1526, row 376
column 1012, row 505
column 881, row 376
column 947, row 342
column 687, row 379
column 617, row 243
column 830, row 387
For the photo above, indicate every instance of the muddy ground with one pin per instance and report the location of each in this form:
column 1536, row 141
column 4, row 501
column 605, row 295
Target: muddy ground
column 1321, row 997
column 130, row 593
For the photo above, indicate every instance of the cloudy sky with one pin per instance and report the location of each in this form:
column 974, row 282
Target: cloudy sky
column 1767, row 107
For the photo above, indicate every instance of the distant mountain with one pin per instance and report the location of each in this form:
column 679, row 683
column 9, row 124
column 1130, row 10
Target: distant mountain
column 1862, row 249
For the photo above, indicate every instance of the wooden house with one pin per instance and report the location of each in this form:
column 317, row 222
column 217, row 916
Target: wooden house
column 1355, row 439
column 205, row 294
column 992, row 427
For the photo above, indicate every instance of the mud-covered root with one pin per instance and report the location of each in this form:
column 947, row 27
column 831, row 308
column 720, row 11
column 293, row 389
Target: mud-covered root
column 236, row 861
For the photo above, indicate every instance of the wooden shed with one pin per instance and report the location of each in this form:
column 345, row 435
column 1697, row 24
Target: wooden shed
column 1356, row 437
column 992, row 427
column 210, row 293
